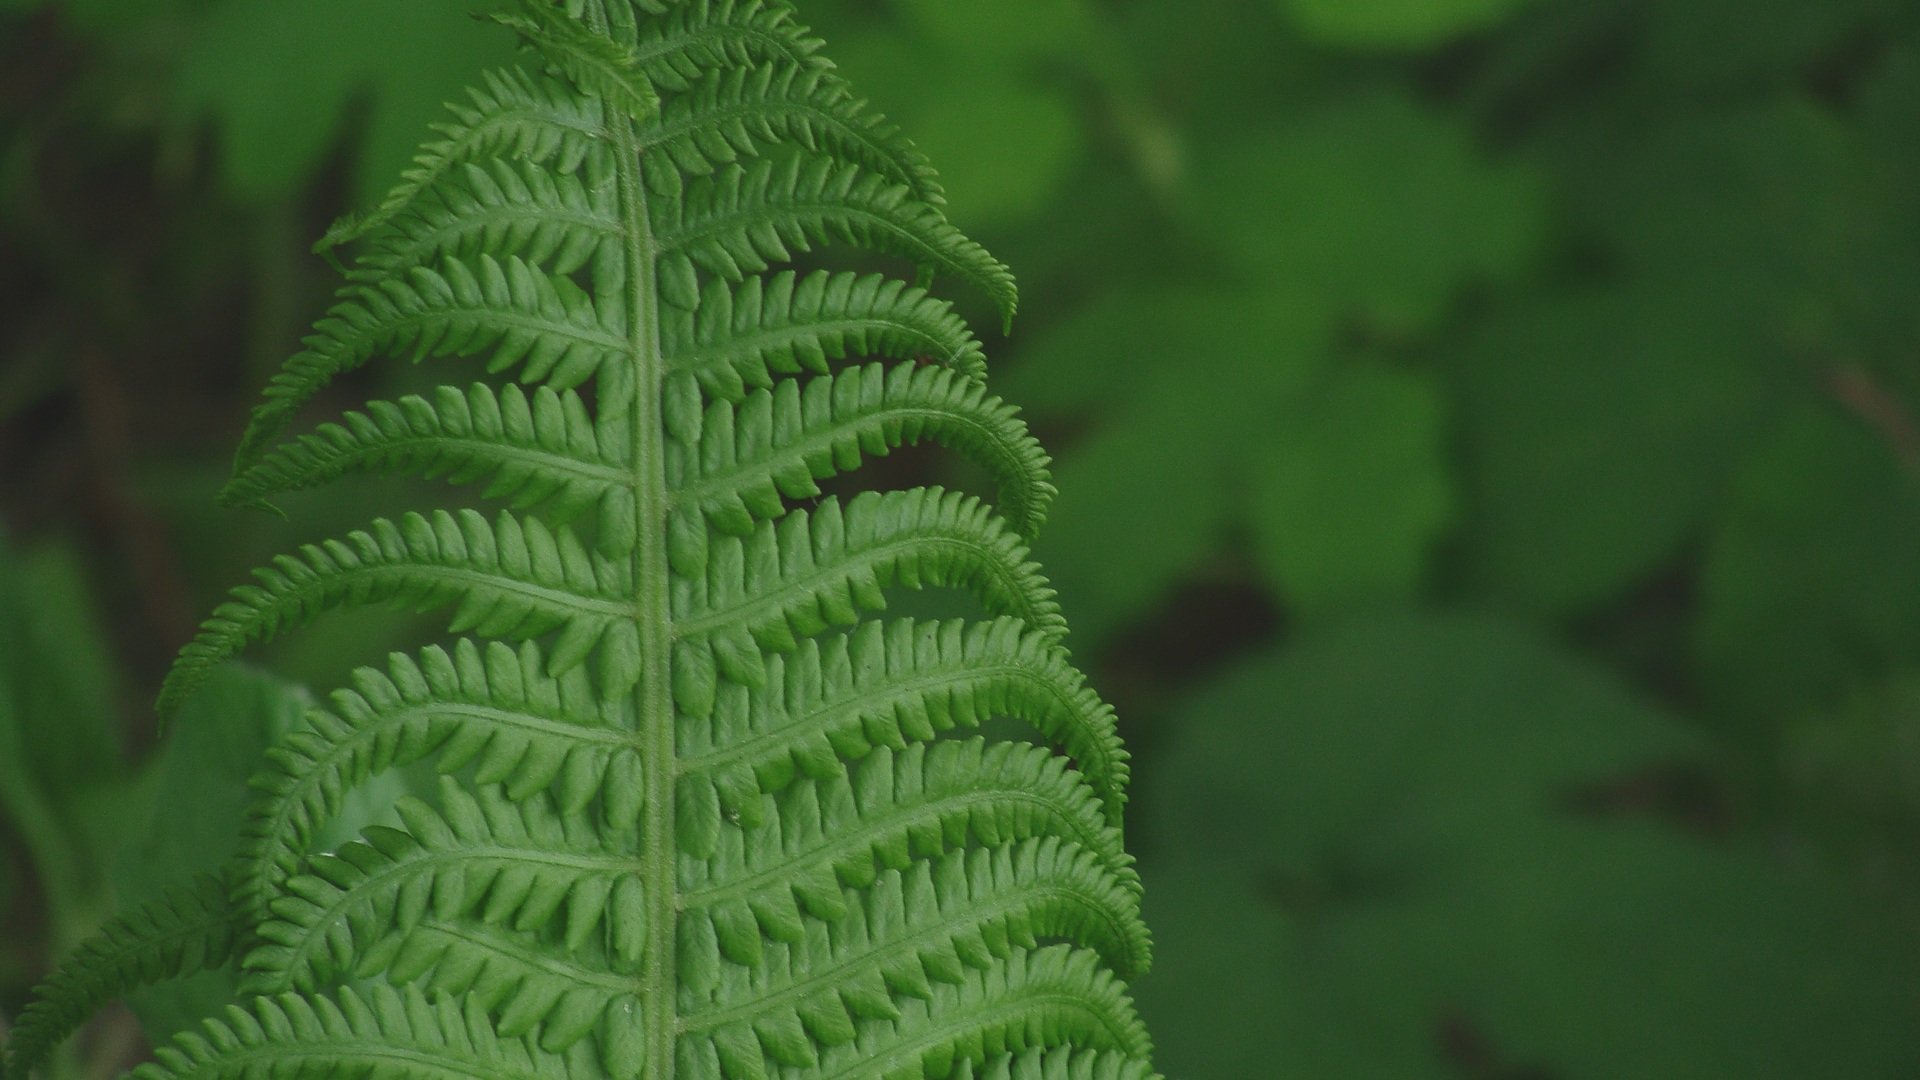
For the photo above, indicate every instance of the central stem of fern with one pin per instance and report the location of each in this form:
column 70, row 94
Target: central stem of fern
column 653, row 696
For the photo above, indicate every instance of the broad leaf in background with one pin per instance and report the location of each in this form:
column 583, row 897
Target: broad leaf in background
column 971, row 89
column 200, row 796
column 1724, row 43
column 65, row 789
column 1382, row 209
column 1349, row 488
column 1852, row 774
column 1812, row 580
column 1452, row 877
column 278, row 79
column 1019, row 32
column 1182, row 382
column 1232, row 410
column 1678, row 206
column 1395, row 23
column 1600, row 431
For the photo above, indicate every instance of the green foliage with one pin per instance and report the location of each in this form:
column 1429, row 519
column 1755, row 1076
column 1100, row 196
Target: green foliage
column 66, row 794
column 1395, row 22
column 697, row 816
column 1567, row 517
column 1823, row 517
column 278, row 79
column 1486, row 438
column 1453, row 836
column 63, row 784
column 1405, row 212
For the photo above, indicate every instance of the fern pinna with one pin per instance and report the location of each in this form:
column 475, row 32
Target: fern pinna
column 704, row 812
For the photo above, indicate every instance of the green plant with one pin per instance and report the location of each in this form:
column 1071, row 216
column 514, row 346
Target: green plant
column 699, row 816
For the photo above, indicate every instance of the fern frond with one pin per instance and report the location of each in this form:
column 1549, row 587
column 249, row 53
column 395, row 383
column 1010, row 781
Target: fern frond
column 893, row 807
column 595, row 63
column 740, row 112
column 379, row 1032
column 806, row 572
column 699, row 36
column 539, row 323
column 1058, row 1063
column 778, row 444
column 886, row 684
column 184, row 931
column 527, row 980
column 701, row 813
column 744, row 220
column 491, row 707
column 1047, row 997
column 933, row 925
column 909, row 928
column 784, row 324
column 558, row 220
column 537, row 449
column 514, row 115
column 513, row 577
column 520, row 865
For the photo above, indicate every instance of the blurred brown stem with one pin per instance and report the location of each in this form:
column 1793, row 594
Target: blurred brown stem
column 1855, row 387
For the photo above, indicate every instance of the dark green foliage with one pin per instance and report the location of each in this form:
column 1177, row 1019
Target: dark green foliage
column 1424, row 858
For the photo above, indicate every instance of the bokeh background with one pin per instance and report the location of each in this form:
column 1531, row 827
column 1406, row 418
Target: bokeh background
column 1490, row 459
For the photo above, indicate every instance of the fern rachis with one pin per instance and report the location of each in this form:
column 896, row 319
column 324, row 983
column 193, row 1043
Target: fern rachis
column 705, row 811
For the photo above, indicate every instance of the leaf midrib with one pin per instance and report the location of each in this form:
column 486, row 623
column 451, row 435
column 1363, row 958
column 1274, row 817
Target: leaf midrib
column 653, row 698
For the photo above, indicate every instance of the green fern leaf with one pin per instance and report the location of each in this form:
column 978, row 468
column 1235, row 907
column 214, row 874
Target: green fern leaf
column 775, row 445
column 747, row 219
column 186, row 930
column 748, row 109
column 783, row 324
column 515, row 116
column 532, row 449
column 379, row 1033
column 556, row 219
column 595, row 63
column 704, row 813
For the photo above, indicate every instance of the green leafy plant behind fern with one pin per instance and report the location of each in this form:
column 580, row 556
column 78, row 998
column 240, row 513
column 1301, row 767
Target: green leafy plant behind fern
column 705, row 811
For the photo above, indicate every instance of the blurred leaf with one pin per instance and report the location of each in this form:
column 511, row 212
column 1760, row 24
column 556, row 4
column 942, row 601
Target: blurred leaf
column 1184, row 382
column 1226, row 409
column 1726, row 42
column 1600, row 431
column 1371, row 866
column 1349, row 488
column 199, row 801
column 1001, row 31
column 1384, row 209
column 1004, row 143
column 1109, row 352
column 1853, row 772
column 62, row 774
column 1811, row 584
column 1145, row 499
column 1222, row 68
column 277, row 77
column 1682, row 201
column 64, row 676
column 200, row 795
column 1395, row 23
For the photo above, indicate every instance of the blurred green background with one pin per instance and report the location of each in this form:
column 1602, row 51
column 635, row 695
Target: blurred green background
column 1489, row 443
